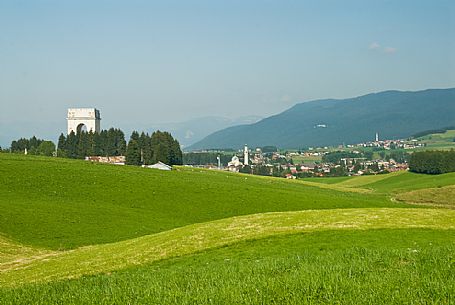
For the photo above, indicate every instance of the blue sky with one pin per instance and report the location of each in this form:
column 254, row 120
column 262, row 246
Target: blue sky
column 150, row 61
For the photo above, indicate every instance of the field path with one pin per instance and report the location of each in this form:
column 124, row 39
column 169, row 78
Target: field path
column 10, row 252
column 198, row 237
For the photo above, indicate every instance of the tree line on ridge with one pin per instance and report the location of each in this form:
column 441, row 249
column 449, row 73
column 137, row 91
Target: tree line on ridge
column 141, row 149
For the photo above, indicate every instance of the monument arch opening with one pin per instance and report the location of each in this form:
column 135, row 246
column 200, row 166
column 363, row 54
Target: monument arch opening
column 81, row 127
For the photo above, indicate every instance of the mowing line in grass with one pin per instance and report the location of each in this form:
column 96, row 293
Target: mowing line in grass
column 199, row 237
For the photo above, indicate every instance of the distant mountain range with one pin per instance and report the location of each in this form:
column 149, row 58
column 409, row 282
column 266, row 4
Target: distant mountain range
column 187, row 132
column 393, row 114
column 192, row 131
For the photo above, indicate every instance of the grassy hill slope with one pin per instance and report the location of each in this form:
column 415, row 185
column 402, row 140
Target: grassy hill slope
column 79, row 233
column 394, row 114
column 200, row 237
column 62, row 204
column 439, row 141
column 390, row 184
column 349, row 267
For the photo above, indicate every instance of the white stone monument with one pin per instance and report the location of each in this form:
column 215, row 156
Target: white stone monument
column 80, row 117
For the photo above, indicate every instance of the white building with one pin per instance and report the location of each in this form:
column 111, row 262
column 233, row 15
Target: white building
column 83, row 119
column 235, row 162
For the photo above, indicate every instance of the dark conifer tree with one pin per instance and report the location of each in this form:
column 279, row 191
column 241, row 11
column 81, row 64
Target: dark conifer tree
column 161, row 153
column 120, row 143
column 147, row 151
column 135, row 136
column 82, row 145
column 61, row 146
column 91, row 145
column 71, row 145
column 133, row 154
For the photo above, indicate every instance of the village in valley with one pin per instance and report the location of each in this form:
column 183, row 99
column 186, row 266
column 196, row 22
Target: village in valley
column 379, row 156
column 367, row 158
column 227, row 152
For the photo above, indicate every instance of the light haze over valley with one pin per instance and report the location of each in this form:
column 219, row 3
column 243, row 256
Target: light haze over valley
column 227, row 152
column 146, row 64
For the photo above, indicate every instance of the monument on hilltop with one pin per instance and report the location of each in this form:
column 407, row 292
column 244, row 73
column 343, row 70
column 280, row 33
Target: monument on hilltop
column 87, row 119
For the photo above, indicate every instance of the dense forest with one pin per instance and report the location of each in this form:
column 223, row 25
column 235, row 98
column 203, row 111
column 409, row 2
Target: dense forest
column 397, row 115
column 432, row 131
column 432, row 162
column 148, row 149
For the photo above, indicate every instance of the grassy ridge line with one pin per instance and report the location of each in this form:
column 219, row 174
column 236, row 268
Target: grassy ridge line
column 411, row 181
column 440, row 197
column 364, row 180
column 392, row 183
column 336, row 186
column 198, row 237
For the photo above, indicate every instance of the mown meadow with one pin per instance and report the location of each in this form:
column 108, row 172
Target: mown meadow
column 73, row 232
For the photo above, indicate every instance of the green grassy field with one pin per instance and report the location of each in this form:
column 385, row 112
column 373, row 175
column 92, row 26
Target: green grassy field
column 389, row 184
column 440, row 141
column 79, row 233
column 349, row 267
column 63, row 204
column 441, row 197
column 306, row 159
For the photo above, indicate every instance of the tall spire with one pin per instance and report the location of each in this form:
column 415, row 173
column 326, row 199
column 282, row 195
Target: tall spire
column 245, row 155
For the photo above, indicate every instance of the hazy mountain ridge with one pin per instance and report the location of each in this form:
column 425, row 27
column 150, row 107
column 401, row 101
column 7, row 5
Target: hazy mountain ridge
column 187, row 132
column 194, row 130
column 394, row 114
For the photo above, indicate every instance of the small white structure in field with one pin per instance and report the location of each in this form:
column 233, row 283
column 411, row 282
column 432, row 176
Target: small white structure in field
column 78, row 118
column 159, row 165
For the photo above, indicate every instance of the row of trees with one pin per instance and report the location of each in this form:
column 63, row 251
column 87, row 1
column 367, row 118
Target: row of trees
column 141, row 149
column 336, row 156
column 106, row 143
column 397, row 155
column 34, row 146
column 432, row 162
column 202, row 158
column 149, row 149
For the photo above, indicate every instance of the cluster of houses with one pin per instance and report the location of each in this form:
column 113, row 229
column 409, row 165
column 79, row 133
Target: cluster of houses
column 392, row 144
column 270, row 163
column 282, row 163
column 276, row 163
column 358, row 168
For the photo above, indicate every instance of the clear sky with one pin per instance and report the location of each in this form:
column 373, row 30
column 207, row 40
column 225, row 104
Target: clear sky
column 168, row 61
